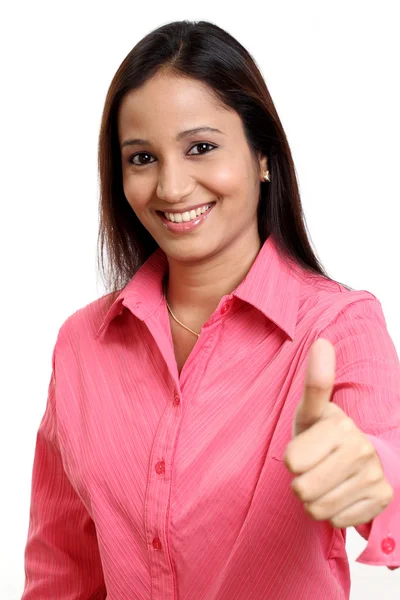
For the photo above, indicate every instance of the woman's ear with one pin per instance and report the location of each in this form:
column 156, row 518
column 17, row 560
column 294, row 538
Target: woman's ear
column 263, row 162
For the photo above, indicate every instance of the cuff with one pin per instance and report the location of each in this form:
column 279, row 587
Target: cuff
column 383, row 532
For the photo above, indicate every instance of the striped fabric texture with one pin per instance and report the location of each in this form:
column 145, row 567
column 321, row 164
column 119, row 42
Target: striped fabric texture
column 148, row 484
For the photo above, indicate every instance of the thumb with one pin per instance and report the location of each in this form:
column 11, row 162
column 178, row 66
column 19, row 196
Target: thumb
column 318, row 385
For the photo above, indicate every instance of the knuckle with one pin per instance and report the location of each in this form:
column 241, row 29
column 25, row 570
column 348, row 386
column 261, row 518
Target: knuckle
column 314, row 511
column 288, row 453
column 345, row 424
column 287, row 459
column 373, row 475
column 389, row 494
column 366, row 450
column 336, row 521
column 299, row 490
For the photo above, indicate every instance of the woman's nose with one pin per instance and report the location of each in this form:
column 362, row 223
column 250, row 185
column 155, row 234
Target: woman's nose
column 173, row 184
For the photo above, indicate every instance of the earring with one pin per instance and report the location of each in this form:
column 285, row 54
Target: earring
column 267, row 176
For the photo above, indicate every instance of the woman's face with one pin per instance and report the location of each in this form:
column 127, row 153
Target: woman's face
column 167, row 171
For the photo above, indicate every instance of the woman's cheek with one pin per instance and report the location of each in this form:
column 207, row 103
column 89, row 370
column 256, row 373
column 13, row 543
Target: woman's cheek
column 136, row 195
column 224, row 179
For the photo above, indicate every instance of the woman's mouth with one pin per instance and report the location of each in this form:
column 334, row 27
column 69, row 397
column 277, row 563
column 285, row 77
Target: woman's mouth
column 182, row 222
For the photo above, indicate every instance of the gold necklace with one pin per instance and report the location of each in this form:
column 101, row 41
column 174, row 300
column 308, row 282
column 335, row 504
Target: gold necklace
column 174, row 317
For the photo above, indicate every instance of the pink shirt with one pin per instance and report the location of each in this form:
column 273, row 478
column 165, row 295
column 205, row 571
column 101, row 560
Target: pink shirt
column 148, row 484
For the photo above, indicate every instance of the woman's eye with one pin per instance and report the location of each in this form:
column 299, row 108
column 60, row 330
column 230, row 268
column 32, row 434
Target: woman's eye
column 146, row 154
column 203, row 144
column 139, row 154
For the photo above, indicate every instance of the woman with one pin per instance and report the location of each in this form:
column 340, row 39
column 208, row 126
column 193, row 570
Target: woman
column 174, row 458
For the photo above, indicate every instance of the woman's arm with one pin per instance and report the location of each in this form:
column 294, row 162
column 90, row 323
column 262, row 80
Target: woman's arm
column 61, row 556
column 367, row 388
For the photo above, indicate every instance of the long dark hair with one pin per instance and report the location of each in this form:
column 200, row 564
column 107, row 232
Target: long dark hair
column 203, row 51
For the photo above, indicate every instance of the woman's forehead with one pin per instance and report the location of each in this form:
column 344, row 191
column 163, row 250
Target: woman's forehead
column 169, row 97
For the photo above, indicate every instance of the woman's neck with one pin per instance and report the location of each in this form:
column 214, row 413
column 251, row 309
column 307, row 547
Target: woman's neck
column 198, row 287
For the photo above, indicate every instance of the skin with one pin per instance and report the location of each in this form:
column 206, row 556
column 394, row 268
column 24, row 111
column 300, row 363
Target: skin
column 209, row 262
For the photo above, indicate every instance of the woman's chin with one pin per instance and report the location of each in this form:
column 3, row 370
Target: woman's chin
column 189, row 250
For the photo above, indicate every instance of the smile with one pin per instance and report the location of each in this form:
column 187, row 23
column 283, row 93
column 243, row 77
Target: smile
column 179, row 217
column 183, row 222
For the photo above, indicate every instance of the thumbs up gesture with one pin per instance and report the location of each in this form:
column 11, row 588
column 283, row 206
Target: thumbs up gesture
column 338, row 474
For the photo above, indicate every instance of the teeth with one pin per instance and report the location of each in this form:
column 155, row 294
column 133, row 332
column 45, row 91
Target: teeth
column 186, row 216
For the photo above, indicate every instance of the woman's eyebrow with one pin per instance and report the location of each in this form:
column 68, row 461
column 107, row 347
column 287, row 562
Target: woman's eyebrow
column 182, row 134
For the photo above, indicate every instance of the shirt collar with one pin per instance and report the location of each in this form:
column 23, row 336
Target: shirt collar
column 271, row 285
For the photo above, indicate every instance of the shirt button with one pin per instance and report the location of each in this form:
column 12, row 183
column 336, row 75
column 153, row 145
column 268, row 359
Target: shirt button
column 160, row 467
column 388, row 545
column 176, row 400
column 157, row 543
column 224, row 308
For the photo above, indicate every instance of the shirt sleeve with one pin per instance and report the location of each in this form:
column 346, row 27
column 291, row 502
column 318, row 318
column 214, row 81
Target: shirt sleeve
column 367, row 389
column 61, row 554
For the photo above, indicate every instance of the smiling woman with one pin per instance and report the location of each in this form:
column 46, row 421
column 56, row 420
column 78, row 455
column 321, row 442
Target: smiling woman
column 159, row 467
column 187, row 126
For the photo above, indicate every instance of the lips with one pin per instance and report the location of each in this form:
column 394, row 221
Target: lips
column 185, row 226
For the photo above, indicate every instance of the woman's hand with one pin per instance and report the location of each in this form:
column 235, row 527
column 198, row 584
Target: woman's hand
column 339, row 476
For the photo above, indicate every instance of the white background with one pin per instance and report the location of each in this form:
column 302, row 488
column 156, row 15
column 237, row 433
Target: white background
column 332, row 70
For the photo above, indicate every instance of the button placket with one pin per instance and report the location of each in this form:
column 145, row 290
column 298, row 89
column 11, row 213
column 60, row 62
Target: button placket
column 160, row 469
column 157, row 498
